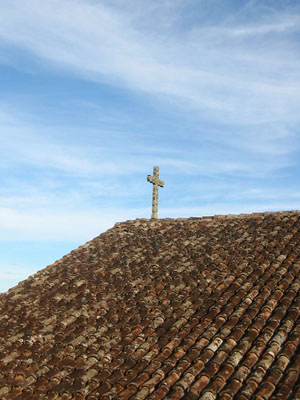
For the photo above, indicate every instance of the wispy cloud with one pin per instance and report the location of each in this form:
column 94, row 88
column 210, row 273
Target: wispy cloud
column 215, row 69
column 121, row 149
column 78, row 226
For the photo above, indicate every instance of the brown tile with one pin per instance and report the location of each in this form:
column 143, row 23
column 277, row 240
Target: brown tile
column 266, row 390
column 200, row 384
column 217, row 384
column 283, row 392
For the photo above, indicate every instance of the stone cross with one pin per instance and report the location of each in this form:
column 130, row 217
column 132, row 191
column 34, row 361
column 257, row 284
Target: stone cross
column 156, row 182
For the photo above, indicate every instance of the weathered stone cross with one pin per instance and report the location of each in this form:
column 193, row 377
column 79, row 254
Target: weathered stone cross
column 156, row 182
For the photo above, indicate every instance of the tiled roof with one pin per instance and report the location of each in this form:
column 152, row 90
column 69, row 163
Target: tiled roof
column 200, row 308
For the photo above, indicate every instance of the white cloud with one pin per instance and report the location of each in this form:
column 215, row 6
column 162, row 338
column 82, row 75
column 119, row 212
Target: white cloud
column 205, row 68
column 66, row 225
column 284, row 23
column 26, row 143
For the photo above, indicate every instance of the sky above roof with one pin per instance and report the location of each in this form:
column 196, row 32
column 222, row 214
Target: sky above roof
column 95, row 93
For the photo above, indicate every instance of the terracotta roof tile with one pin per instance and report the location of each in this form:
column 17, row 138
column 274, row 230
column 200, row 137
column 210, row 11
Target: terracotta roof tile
column 199, row 308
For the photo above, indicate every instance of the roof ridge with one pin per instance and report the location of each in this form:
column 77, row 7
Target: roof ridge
column 139, row 221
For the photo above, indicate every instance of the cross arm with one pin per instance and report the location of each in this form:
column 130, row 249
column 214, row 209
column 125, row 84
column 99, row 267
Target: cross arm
column 150, row 178
column 155, row 180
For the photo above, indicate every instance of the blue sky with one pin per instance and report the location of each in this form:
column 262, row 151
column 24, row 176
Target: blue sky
column 95, row 93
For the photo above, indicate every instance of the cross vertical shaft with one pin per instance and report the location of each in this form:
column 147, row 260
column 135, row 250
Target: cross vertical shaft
column 156, row 183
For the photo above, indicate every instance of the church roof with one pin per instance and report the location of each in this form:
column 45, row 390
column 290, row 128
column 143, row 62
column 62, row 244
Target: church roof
column 199, row 308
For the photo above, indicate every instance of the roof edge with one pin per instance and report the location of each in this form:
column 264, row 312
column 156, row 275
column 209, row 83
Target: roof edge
column 138, row 221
